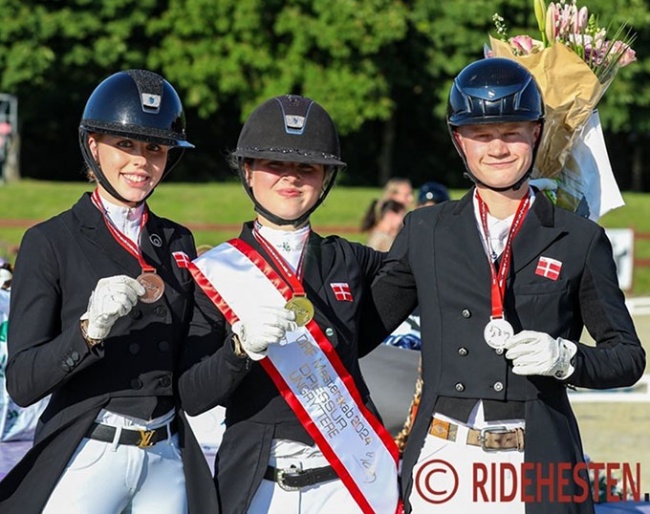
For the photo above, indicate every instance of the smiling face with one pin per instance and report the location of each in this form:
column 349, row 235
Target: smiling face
column 132, row 167
column 286, row 189
column 498, row 154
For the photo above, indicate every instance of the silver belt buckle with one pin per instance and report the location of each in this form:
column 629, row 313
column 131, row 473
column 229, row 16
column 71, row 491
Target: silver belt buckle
column 280, row 475
column 498, row 430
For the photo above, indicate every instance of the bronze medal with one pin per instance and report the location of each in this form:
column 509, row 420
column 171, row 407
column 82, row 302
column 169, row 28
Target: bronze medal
column 154, row 287
column 303, row 308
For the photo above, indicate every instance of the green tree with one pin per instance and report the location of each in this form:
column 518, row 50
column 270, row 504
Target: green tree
column 381, row 67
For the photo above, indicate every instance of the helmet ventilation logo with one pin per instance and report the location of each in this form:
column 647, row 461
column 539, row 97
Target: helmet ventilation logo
column 150, row 101
column 294, row 122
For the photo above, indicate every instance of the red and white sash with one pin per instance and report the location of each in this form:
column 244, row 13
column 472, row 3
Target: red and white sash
column 308, row 373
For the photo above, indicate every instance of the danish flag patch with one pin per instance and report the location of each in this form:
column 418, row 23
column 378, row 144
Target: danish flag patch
column 548, row 268
column 342, row 291
column 182, row 260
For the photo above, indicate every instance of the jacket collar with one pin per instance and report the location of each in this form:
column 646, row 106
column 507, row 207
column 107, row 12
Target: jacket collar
column 538, row 231
column 94, row 232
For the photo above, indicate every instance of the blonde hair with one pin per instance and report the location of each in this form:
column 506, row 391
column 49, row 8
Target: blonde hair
column 392, row 187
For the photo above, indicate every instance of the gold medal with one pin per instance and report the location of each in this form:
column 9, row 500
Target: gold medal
column 303, row 308
column 154, row 287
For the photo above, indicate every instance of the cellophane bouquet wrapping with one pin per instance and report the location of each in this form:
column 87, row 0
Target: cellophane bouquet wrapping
column 574, row 63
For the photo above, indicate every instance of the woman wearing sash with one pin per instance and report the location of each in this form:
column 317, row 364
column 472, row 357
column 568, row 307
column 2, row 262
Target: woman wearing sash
column 99, row 313
column 276, row 339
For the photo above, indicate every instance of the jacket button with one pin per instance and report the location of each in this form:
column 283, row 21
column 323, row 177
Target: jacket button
column 134, row 348
column 329, row 331
column 462, row 351
column 70, row 362
column 498, row 387
column 136, row 383
column 165, row 381
column 160, row 311
column 163, row 346
column 499, row 351
column 460, row 387
column 135, row 313
column 466, row 313
column 75, row 356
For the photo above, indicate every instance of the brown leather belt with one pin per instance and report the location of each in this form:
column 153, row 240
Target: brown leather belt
column 490, row 439
column 139, row 438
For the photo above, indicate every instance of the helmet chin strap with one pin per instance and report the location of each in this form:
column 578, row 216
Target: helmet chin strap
column 514, row 186
column 103, row 181
column 277, row 220
column 97, row 171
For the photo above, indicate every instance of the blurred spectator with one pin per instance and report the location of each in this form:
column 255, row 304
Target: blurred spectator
column 6, row 274
column 391, row 216
column 16, row 423
column 432, row 193
column 397, row 189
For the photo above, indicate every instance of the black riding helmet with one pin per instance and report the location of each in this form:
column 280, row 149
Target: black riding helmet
column 295, row 129
column 494, row 90
column 139, row 105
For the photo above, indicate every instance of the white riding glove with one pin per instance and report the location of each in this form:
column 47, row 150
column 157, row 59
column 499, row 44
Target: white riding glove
column 269, row 326
column 537, row 353
column 112, row 298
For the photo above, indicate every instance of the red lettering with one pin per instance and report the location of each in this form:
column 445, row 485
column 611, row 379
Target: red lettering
column 610, row 482
column 581, row 480
column 546, row 481
column 479, row 483
column 563, row 481
column 526, row 481
column 596, row 467
column 633, row 490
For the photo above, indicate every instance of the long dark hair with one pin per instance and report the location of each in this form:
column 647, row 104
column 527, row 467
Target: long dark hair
column 378, row 210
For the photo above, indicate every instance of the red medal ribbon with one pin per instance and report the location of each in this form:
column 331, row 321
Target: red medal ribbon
column 294, row 280
column 498, row 288
column 120, row 237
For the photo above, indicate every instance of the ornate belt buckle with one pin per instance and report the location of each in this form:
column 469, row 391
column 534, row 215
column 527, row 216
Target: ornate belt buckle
column 281, row 474
column 146, row 438
column 497, row 430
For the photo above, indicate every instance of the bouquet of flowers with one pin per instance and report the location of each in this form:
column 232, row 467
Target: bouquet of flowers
column 574, row 61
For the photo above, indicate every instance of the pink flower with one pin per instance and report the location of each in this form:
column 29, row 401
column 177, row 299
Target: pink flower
column 627, row 55
column 580, row 21
column 524, row 45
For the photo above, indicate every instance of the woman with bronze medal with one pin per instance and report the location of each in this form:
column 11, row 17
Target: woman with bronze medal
column 276, row 336
column 99, row 313
column 505, row 282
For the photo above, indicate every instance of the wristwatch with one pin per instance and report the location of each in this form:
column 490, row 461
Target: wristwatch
column 237, row 347
column 83, row 324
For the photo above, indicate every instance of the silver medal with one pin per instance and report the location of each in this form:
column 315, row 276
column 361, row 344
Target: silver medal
column 497, row 332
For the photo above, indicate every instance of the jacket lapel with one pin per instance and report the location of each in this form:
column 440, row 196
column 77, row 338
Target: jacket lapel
column 317, row 261
column 537, row 233
column 153, row 242
column 97, row 237
column 468, row 253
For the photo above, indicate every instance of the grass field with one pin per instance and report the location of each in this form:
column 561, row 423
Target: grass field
column 200, row 205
